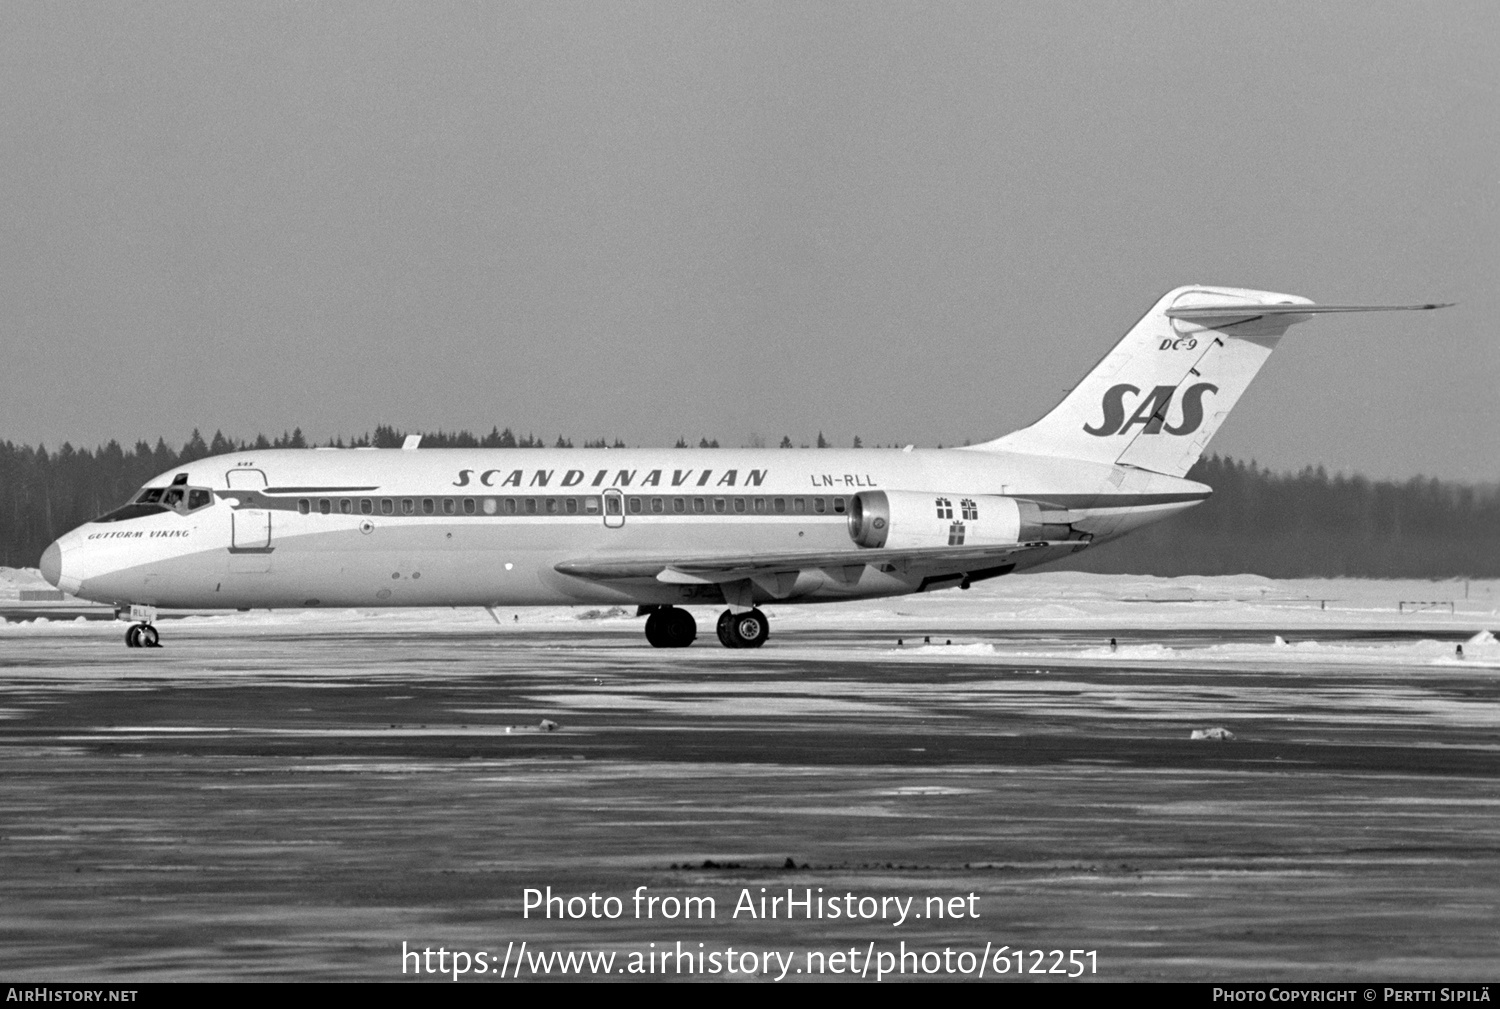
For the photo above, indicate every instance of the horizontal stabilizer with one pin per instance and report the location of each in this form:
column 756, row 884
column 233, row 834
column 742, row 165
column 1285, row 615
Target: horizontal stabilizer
column 1197, row 313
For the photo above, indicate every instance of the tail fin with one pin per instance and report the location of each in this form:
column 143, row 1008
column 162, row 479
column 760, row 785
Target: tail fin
column 1157, row 398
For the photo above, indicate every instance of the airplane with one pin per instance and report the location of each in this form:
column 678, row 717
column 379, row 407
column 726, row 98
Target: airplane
column 663, row 529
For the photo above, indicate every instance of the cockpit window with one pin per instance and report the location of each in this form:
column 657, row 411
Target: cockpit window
column 155, row 500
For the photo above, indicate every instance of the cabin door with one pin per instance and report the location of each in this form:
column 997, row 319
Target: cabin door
column 249, row 528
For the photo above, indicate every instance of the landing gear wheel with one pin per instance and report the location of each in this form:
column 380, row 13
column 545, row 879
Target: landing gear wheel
column 670, row 627
column 749, row 629
column 653, row 629
column 142, row 636
column 681, row 628
column 726, row 634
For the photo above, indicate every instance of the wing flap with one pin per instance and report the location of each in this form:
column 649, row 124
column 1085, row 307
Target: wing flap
column 712, row 570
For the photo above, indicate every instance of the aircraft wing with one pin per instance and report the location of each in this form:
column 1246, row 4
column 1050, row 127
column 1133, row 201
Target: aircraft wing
column 717, row 569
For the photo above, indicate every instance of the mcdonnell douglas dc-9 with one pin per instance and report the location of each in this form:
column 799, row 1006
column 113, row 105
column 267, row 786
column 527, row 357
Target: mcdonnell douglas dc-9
column 663, row 529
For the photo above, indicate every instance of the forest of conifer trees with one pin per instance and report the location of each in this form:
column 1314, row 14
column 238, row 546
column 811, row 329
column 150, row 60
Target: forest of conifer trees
column 1306, row 524
column 1311, row 525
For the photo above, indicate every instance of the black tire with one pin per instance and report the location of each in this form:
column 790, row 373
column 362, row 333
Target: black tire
column 148, row 637
column 653, row 630
column 133, row 636
column 750, row 629
column 726, row 630
column 679, row 628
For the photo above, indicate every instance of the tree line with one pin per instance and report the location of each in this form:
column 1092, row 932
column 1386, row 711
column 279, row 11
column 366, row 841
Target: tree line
column 1312, row 525
column 1282, row 525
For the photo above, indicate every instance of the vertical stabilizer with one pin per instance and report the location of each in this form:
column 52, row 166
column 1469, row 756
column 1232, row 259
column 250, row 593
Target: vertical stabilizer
column 1157, row 398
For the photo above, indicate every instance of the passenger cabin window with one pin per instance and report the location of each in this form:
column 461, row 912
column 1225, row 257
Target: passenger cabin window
column 188, row 499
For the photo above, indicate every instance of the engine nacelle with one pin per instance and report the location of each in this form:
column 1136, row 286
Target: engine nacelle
column 903, row 519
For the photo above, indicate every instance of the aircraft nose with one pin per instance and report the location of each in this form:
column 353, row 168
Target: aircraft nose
column 52, row 564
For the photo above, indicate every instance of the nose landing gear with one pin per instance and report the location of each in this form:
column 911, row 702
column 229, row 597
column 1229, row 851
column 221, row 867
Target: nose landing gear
column 670, row 627
column 142, row 636
column 743, row 630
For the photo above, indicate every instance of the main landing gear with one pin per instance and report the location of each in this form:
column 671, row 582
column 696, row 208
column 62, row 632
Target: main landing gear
column 142, row 636
column 743, row 630
column 669, row 627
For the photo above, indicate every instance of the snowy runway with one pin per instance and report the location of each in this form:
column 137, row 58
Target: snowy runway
column 293, row 795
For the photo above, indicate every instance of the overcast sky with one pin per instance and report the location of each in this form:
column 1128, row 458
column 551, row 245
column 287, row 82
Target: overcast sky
column 907, row 222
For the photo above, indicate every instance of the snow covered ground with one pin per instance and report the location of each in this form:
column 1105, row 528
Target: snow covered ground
column 1261, row 778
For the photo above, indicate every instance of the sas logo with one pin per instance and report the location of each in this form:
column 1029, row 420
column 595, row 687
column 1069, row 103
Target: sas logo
column 1151, row 412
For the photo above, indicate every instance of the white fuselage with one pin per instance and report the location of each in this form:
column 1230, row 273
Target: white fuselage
column 487, row 527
